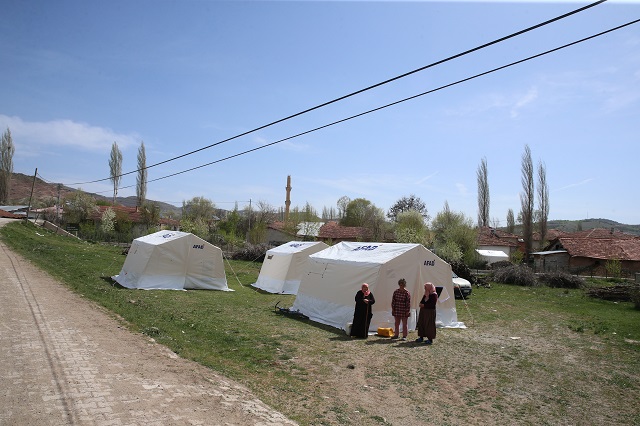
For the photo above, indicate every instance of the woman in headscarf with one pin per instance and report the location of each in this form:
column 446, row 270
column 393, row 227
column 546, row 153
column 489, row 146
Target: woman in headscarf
column 362, row 314
column 427, row 315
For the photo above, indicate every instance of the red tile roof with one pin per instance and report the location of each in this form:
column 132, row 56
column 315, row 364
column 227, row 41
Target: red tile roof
column 333, row 230
column 602, row 248
column 7, row 215
column 132, row 213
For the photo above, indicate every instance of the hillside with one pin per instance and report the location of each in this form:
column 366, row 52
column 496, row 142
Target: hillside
column 47, row 193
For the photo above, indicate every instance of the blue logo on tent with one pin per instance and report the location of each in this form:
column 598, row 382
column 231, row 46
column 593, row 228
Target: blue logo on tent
column 366, row 248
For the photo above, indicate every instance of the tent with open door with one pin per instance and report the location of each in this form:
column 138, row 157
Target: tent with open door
column 173, row 260
column 334, row 275
column 284, row 265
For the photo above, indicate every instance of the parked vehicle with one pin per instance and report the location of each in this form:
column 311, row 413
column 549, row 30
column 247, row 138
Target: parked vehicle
column 461, row 287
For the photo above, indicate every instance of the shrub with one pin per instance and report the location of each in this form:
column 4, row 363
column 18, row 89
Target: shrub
column 561, row 280
column 517, row 275
column 251, row 252
column 501, row 264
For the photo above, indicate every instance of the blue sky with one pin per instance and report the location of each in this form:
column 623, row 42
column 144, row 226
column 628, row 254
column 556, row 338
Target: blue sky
column 182, row 75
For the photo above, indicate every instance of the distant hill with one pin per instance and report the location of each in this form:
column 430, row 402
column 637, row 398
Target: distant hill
column 21, row 186
column 584, row 224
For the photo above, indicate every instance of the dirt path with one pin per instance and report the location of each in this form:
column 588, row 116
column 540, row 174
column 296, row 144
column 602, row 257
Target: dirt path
column 64, row 361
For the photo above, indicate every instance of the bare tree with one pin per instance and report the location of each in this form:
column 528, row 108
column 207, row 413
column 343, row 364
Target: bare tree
column 6, row 165
column 483, row 193
column 526, row 201
column 543, row 202
column 405, row 204
column 342, row 204
column 511, row 221
column 141, row 178
column 115, row 168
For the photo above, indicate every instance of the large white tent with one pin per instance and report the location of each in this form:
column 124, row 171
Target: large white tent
column 334, row 275
column 284, row 265
column 173, row 260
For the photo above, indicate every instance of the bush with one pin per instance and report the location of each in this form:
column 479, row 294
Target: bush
column 251, row 252
column 501, row 264
column 517, row 275
column 561, row 280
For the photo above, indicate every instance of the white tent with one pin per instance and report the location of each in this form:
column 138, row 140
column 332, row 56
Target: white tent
column 284, row 265
column 173, row 260
column 334, row 275
column 492, row 256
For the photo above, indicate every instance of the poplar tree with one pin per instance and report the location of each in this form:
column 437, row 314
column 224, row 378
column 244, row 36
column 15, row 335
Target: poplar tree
column 483, row 193
column 141, row 179
column 543, row 202
column 115, row 167
column 526, row 201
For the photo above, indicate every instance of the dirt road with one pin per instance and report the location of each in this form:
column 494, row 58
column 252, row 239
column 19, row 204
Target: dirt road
column 64, row 361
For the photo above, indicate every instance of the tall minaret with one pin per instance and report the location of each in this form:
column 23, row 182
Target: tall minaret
column 287, row 203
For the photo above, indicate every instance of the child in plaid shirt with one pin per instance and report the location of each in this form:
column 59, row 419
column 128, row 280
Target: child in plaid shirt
column 401, row 308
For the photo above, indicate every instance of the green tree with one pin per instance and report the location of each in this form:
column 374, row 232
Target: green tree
column 150, row 213
column 141, row 178
column 79, row 206
column 411, row 228
column 115, row 169
column 363, row 213
column 6, row 165
column 454, row 236
column 197, row 216
column 405, row 204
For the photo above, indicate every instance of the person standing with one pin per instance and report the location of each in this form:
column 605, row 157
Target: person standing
column 401, row 308
column 427, row 315
column 362, row 314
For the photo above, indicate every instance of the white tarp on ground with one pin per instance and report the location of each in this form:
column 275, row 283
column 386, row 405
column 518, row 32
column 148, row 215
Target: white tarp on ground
column 327, row 291
column 492, row 256
column 284, row 265
column 173, row 260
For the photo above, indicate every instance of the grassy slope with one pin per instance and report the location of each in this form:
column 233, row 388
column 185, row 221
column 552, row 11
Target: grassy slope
column 295, row 365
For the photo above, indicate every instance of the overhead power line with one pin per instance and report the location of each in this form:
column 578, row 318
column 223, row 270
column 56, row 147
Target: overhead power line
column 450, row 58
column 397, row 102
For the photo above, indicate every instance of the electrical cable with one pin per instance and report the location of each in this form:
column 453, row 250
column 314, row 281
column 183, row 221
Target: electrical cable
column 450, row 58
column 397, row 102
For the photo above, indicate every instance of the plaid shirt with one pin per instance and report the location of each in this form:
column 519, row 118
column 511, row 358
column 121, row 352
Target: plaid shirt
column 401, row 303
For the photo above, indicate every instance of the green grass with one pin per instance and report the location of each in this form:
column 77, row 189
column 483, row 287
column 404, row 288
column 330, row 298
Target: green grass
column 240, row 335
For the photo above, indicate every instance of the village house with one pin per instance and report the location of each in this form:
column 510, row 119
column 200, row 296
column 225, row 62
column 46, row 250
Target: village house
column 587, row 252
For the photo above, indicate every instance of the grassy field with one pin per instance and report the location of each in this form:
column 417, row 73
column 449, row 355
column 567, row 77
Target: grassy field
column 529, row 355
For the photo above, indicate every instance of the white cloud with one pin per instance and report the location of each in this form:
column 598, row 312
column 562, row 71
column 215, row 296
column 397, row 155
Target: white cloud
column 525, row 100
column 33, row 136
column 573, row 185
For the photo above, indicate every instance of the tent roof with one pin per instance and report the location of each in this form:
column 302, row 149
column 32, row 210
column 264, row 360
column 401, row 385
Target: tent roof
column 294, row 247
column 493, row 253
column 370, row 253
